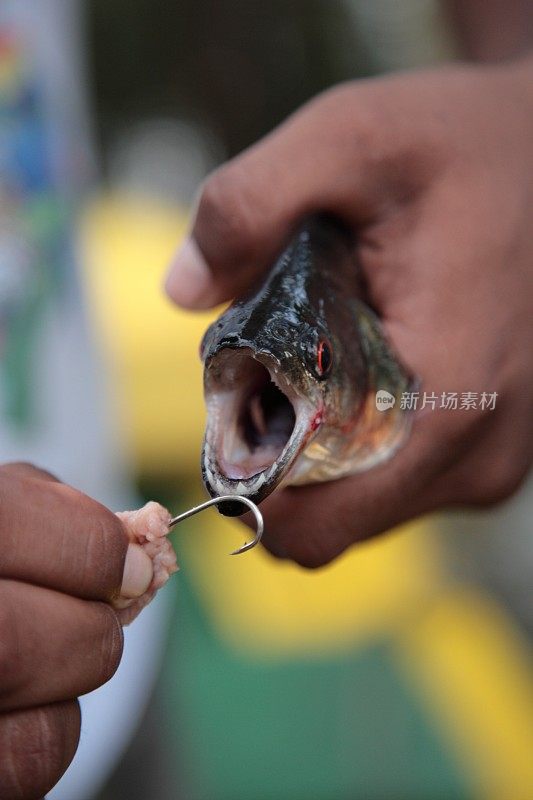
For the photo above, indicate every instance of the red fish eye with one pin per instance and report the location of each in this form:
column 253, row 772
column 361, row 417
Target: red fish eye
column 324, row 358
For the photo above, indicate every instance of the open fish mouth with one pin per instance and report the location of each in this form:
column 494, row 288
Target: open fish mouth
column 258, row 424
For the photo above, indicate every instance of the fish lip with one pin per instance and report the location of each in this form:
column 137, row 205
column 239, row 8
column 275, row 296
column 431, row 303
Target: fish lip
column 259, row 485
column 261, row 354
column 262, row 483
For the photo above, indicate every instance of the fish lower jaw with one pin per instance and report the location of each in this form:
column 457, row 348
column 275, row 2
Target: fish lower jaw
column 218, row 484
column 254, row 473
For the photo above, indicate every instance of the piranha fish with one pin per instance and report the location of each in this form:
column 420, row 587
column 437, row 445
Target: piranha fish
column 300, row 382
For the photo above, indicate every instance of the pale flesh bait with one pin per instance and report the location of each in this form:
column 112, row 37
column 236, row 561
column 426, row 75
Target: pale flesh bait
column 291, row 374
column 148, row 527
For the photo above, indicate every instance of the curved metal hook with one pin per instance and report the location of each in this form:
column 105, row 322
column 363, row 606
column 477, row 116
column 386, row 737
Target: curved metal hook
column 225, row 498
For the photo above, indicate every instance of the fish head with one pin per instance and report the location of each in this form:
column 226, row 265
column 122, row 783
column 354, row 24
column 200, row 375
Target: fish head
column 292, row 372
column 272, row 381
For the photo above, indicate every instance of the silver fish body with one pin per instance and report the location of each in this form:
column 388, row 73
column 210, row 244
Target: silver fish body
column 291, row 374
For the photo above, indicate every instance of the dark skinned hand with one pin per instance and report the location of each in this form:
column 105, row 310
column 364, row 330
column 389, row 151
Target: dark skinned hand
column 63, row 558
column 434, row 172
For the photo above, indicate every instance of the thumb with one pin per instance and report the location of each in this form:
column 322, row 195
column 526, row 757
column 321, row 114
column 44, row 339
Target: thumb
column 323, row 158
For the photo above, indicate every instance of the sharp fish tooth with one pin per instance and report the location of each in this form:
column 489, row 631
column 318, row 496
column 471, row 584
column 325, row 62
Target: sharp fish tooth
column 260, row 481
column 240, row 488
column 271, row 470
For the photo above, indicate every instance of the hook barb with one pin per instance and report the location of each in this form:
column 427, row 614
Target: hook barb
column 226, row 498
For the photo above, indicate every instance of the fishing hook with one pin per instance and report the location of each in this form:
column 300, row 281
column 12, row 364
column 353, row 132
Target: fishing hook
column 225, row 498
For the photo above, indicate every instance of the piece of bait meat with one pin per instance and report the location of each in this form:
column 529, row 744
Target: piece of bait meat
column 148, row 526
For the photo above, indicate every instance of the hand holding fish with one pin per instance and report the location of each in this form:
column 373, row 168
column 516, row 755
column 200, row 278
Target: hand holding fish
column 432, row 174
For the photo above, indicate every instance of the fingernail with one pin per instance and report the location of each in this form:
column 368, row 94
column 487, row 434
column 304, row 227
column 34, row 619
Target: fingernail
column 189, row 280
column 138, row 572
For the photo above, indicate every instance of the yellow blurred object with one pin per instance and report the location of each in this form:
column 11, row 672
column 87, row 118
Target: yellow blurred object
column 473, row 668
column 152, row 345
column 273, row 608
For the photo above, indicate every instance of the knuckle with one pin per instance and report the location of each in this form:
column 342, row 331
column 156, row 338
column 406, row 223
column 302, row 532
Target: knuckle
column 10, row 644
column 313, row 552
column 104, row 555
column 299, row 553
column 361, row 133
column 37, row 745
column 226, row 214
column 111, row 643
column 6, row 490
column 304, row 539
column 309, row 560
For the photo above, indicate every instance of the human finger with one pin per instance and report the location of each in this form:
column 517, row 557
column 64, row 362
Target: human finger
column 248, row 207
column 37, row 745
column 53, row 535
column 53, row 646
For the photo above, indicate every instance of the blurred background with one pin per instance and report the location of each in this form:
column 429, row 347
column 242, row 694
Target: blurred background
column 400, row 671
